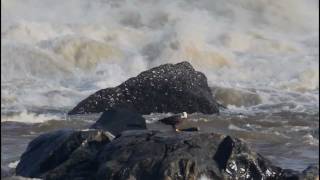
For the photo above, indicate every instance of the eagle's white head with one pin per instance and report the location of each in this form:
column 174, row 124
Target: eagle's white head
column 184, row 115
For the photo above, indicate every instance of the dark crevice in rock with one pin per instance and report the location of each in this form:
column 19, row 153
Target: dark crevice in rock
column 224, row 152
column 165, row 154
column 190, row 145
column 149, row 136
column 255, row 171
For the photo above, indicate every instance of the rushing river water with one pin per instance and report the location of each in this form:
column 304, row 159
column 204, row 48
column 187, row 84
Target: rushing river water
column 260, row 57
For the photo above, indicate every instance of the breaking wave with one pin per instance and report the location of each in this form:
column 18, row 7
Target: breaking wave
column 55, row 53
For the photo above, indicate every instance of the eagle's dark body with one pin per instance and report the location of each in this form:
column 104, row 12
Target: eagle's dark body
column 172, row 120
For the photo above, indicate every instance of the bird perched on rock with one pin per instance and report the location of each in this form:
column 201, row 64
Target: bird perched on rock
column 174, row 120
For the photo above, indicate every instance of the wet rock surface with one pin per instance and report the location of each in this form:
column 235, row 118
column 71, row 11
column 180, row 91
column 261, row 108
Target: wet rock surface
column 146, row 154
column 118, row 119
column 48, row 151
column 311, row 173
column 167, row 88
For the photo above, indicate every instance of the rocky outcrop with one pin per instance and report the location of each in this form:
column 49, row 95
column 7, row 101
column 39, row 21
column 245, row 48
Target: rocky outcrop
column 167, row 88
column 74, row 149
column 118, row 119
column 145, row 154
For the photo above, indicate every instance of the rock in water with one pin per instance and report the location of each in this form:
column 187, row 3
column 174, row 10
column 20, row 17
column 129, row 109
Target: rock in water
column 172, row 88
column 179, row 156
column 74, row 148
column 145, row 154
column 118, row 119
column 236, row 97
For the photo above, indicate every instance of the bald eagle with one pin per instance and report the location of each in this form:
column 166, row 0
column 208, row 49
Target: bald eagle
column 174, row 120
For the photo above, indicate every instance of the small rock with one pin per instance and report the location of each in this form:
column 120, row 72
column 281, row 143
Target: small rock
column 117, row 119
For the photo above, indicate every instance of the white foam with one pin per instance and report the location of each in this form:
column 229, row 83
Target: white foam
column 310, row 140
column 13, row 164
column 204, row 177
column 300, row 128
column 53, row 58
column 236, row 128
column 24, row 178
column 29, row 117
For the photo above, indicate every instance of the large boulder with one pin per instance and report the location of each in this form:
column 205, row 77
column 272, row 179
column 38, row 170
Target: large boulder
column 118, row 119
column 48, row 151
column 179, row 156
column 167, row 88
column 145, row 154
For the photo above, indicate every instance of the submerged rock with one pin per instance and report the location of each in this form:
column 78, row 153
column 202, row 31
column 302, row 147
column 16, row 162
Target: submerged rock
column 236, row 97
column 145, row 154
column 118, row 119
column 167, row 88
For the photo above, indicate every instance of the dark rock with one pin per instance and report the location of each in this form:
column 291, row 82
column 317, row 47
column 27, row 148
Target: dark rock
column 311, row 172
column 190, row 129
column 155, row 155
column 117, row 119
column 145, row 154
column 185, row 155
column 48, row 151
column 167, row 88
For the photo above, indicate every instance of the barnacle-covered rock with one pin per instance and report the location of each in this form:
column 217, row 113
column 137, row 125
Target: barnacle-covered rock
column 167, row 88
